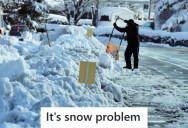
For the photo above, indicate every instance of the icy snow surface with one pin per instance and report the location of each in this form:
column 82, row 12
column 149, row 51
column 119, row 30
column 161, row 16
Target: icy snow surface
column 34, row 75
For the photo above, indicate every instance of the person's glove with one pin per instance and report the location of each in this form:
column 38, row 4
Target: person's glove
column 114, row 24
column 125, row 21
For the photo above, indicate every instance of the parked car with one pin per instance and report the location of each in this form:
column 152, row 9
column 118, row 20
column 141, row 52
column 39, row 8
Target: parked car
column 148, row 25
column 21, row 31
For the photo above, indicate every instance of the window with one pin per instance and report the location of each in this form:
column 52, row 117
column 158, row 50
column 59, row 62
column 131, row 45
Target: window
column 105, row 18
column 146, row 6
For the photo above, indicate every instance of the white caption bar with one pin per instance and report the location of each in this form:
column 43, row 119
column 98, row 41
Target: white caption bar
column 89, row 117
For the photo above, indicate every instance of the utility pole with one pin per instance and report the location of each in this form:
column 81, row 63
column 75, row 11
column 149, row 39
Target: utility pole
column 93, row 14
column 149, row 12
column 97, row 13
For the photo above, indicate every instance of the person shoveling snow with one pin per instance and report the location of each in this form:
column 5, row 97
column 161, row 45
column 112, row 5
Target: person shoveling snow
column 133, row 42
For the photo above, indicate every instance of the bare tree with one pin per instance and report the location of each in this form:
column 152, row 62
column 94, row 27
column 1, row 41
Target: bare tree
column 75, row 9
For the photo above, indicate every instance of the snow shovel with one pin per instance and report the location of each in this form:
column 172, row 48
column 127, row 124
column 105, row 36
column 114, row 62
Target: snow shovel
column 110, row 47
column 113, row 49
column 117, row 52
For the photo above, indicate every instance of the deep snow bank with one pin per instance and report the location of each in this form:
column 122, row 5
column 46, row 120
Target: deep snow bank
column 51, row 78
column 35, row 76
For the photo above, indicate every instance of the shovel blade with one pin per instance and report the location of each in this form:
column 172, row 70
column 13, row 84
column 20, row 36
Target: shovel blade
column 111, row 48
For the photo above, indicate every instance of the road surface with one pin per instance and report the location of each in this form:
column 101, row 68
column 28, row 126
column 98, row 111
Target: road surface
column 169, row 62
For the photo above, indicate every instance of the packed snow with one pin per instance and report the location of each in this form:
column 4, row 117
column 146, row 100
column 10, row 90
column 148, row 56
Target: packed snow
column 34, row 75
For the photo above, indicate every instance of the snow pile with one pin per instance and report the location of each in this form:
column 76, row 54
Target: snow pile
column 56, row 19
column 8, row 54
column 106, row 61
column 14, row 69
column 41, row 76
column 84, row 22
column 12, row 65
column 6, row 93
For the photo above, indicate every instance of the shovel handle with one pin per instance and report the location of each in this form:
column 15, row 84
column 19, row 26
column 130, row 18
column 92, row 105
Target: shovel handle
column 113, row 30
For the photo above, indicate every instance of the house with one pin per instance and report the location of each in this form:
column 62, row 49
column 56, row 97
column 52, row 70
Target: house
column 144, row 4
column 133, row 5
column 108, row 15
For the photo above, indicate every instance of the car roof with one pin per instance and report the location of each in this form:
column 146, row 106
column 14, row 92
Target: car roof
column 19, row 25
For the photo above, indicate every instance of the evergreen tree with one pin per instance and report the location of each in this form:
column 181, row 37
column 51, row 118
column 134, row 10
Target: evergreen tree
column 25, row 12
column 170, row 13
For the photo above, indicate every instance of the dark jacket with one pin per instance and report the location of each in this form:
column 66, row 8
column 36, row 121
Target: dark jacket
column 132, row 33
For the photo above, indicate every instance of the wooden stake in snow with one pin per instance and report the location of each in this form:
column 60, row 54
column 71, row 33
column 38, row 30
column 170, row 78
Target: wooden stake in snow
column 47, row 34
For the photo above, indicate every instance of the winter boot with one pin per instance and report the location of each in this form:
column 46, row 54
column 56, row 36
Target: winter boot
column 128, row 63
column 136, row 65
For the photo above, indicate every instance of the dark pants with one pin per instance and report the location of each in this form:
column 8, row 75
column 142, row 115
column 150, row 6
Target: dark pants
column 128, row 53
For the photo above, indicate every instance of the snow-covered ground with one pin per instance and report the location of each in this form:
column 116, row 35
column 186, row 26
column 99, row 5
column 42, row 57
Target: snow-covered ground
column 34, row 75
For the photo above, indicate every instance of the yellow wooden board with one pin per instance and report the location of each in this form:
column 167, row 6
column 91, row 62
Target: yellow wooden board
column 87, row 72
column 89, row 33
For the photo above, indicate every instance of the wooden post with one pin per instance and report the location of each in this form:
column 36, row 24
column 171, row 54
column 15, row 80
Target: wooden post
column 97, row 13
column 149, row 13
column 47, row 34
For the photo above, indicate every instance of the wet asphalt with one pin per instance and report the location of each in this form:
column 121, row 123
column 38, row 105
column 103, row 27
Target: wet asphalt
column 169, row 62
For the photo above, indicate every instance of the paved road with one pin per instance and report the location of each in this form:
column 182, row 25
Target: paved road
column 169, row 62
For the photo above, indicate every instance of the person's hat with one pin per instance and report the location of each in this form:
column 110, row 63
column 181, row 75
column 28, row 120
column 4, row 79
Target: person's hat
column 131, row 21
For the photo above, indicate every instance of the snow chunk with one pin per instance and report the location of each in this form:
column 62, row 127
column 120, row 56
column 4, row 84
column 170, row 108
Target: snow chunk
column 8, row 54
column 9, row 125
column 22, row 97
column 6, row 93
column 106, row 61
column 14, row 69
column 113, row 89
column 6, row 88
column 9, row 116
column 46, row 102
